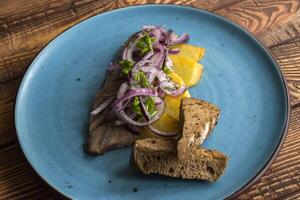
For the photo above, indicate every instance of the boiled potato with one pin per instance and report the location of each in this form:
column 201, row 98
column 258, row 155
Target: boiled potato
column 165, row 123
column 189, row 51
column 189, row 70
column 172, row 104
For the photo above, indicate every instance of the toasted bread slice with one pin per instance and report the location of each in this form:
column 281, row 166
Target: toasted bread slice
column 156, row 155
column 197, row 120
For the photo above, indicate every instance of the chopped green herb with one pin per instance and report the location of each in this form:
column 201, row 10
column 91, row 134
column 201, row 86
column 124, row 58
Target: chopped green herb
column 126, row 66
column 152, row 114
column 166, row 69
column 135, row 107
column 150, row 106
column 145, row 43
column 141, row 78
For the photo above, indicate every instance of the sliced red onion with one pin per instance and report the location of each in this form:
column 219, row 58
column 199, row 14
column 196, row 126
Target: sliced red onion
column 179, row 40
column 103, row 105
column 153, row 72
column 158, row 59
column 174, row 51
column 122, row 90
column 170, row 88
column 114, row 66
column 179, row 91
column 161, row 93
column 144, row 109
column 169, row 63
column 141, row 63
column 127, row 119
column 147, row 56
column 167, row 86
column 158, row 100
column 148, row 27
column 156, row 33
column 132, row 93
column 128, row 51
column 162, row 133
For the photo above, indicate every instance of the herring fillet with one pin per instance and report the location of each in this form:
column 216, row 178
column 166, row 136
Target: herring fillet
column 104, row 134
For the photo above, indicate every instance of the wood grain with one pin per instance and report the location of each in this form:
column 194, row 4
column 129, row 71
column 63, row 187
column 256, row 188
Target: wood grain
column 288, row 57
column 285, row 31
column 18, row 180
column 7, row 102
column 26, row 26
column 259, row 16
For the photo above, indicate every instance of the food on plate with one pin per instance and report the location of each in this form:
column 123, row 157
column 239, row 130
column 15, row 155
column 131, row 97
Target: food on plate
column 103, row 134
column 157, row 155
column 197, row 120
column 189, row 70
column 173, row 104
column 143, row 89
column 190, row 51
column 145, row 101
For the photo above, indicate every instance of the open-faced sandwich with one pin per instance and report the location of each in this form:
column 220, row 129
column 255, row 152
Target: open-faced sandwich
column 145, row 100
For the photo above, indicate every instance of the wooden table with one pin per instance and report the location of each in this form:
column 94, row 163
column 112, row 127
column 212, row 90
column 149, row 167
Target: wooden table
column 27, row 25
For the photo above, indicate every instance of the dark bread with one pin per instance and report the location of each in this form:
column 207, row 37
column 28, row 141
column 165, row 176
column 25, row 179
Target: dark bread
column 197, row 120
column 156, row 155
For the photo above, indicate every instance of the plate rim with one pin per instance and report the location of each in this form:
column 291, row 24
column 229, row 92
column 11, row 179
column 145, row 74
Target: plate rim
column 234, row 194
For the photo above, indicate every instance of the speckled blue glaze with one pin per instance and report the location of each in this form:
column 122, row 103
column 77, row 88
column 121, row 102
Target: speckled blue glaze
column 58, row 91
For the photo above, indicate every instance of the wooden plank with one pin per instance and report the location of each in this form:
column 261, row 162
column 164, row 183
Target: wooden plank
column 288, row 57
column 17, row 178
column 7, row 101
column 259, row 15
column 284, row 32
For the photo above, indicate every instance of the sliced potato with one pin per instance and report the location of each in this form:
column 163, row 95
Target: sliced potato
column 189, row 51
column 172, row 104
column 189, row 70
column 176, row 78
column 165, row 123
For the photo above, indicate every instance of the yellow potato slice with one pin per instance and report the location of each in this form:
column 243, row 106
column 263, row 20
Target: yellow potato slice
column 189, row 51
column 189, row 70
column 172, row 104
column 176, row 78
column 165, row 123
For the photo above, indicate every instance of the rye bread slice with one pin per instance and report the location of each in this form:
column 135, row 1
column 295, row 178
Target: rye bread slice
column 156, row 155
column 197, row 120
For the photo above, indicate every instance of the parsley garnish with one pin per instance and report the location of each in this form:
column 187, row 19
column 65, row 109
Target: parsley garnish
column 135, row 107
column 166, row 69
column 145, row 43
column 150, row 106
column 141, row 78
column 126, row 66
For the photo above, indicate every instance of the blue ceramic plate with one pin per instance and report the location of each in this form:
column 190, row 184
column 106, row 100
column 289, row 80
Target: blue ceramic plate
column 58, row 90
